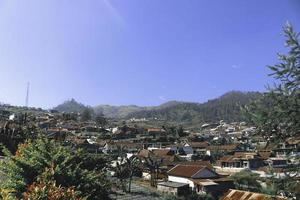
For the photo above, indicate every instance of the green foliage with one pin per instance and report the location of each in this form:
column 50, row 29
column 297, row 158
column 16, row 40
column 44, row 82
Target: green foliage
column 246, row 180
column 226, row 107
column 192, row 196
column 153, row 165
column 33, row 158
column 13, row 133
column 46, row 188
column 277, row 113
column 125, row 170
column 100, row 119
column 71, row 106
column 195, row 196
column 87, row 114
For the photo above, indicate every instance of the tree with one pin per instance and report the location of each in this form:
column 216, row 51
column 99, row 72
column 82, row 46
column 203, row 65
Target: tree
column 46, row 188
column 246, row 180
column 126, row 169
column 86, row 114
column 276, row 114
column 35, row 157
column 153, row 165
column 100, row 119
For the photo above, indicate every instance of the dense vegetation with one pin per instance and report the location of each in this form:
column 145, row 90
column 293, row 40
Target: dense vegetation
column 227, row 107
column 44, row 169
column 70, row 106
column 276, row 113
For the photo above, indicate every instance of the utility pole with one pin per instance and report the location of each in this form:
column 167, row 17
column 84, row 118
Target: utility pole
column 27, row 95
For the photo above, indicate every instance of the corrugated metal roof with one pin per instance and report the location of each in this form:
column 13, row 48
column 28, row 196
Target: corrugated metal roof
column 245, row 195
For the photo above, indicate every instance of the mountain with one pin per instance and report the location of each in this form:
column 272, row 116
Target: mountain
column 226, row 107
column 71, row 106
column 117, row 111
column 124, row 111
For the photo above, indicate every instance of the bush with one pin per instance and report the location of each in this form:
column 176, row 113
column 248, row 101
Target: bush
column 27, row 168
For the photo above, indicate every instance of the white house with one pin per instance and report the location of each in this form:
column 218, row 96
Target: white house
column 198, row 177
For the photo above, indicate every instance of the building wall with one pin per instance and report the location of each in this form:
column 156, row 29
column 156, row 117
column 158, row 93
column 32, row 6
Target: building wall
column 181, row 180
column 165, row 189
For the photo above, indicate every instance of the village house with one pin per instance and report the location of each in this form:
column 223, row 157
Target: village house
column 200, row 179
column 178, row 189
column 181, row 149
column 156, row 133
column 238, row 162
column 124, row 146
column 229, row 148
column 165, row 158
column 199, row 148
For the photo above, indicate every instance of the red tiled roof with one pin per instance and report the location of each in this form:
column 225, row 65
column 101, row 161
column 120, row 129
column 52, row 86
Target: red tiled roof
column 185, row 170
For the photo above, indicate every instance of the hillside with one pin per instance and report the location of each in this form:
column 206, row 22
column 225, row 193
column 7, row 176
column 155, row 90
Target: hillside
column 226, row 107
column 70, row 106
column 117, row 111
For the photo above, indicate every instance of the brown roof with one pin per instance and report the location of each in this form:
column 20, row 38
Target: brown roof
column 226, row 158
column 128, row 144
column 238, row 155
column 185, row 170
column 228, row 147
column 200, row 163
column 244, row 155
column 144, row 153
column 270, row 146
column 264, row 154
column 155, row 130
column 162, row 152
column 198, row 144
column 293, row 141
column 245, row 195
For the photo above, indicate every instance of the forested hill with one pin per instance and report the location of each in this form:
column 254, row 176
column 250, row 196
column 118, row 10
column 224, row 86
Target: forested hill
column 70, row 106
column 227, row 107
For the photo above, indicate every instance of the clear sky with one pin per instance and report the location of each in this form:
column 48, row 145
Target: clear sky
column 142, row 52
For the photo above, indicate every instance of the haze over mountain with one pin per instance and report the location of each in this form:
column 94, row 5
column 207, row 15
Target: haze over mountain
column 226, row 107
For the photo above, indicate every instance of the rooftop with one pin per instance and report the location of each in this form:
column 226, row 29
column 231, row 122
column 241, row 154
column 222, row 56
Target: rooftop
column 172, row 184
column 245, row 195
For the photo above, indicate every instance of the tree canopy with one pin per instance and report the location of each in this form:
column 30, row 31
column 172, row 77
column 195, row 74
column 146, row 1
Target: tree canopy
column 58, row 168
column 277, row 113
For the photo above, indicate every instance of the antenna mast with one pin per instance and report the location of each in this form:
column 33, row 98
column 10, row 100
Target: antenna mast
column 27, row 95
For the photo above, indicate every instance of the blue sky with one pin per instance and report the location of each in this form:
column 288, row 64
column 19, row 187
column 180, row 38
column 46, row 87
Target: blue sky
column 143, row 52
